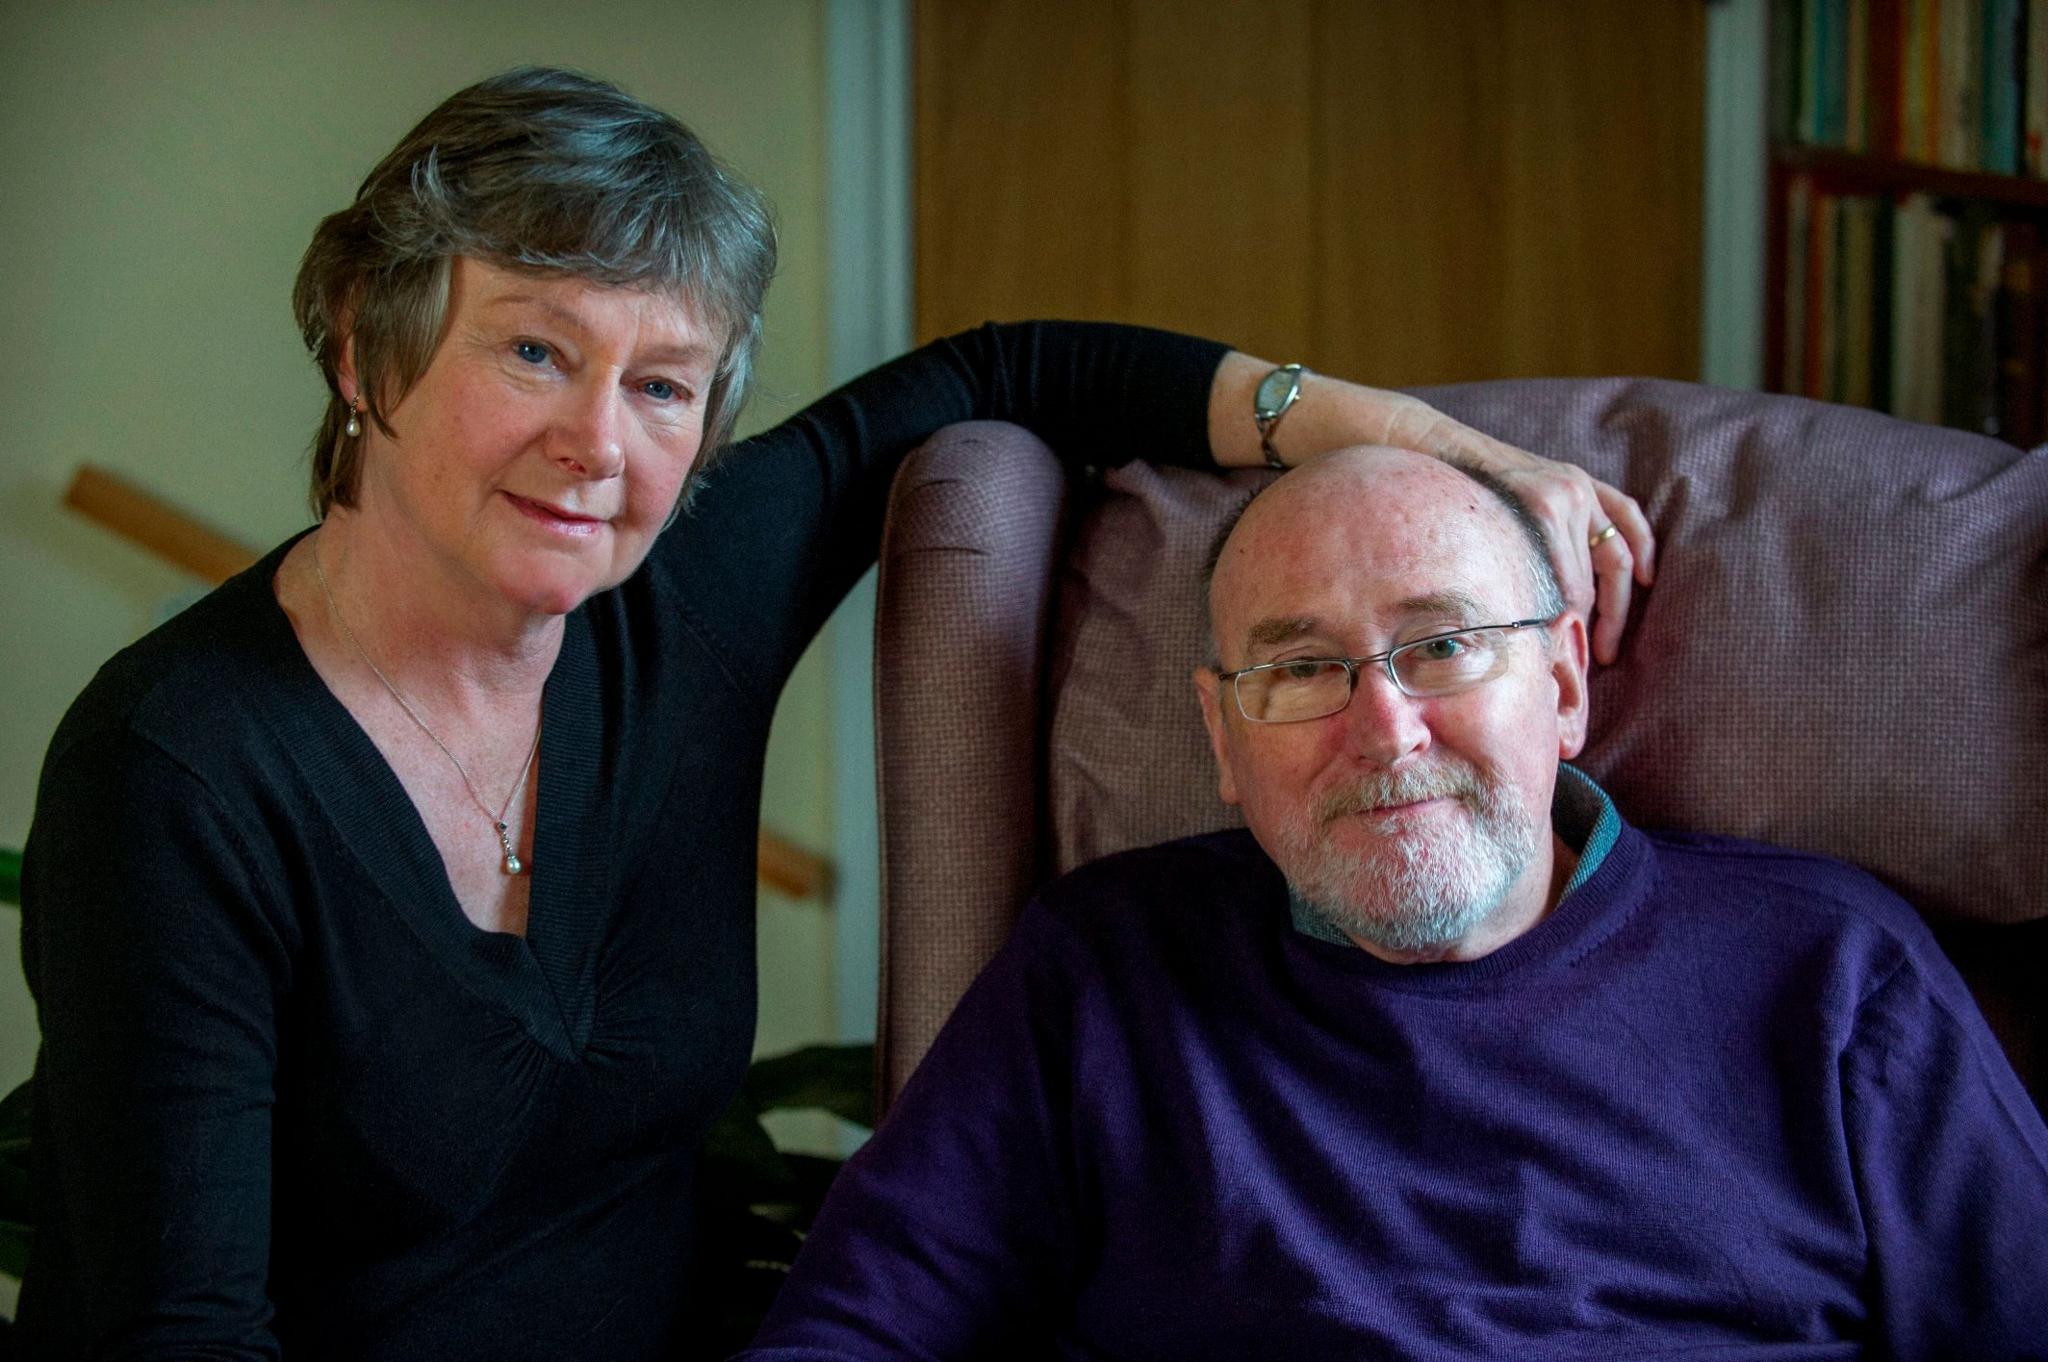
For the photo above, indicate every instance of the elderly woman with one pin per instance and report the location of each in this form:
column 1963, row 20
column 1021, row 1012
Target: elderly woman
column 389, row 912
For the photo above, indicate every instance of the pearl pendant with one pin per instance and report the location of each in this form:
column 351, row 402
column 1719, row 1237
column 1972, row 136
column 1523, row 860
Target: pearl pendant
column 513, row 865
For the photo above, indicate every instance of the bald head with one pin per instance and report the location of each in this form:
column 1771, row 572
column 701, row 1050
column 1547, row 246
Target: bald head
column 1365, row 487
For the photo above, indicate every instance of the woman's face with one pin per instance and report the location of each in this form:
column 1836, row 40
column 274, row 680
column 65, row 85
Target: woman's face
column 538, row 456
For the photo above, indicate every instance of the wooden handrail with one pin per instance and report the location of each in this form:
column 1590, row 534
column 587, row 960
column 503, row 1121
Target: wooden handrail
column 144, row 518
column 787, row 868
column 147, row 519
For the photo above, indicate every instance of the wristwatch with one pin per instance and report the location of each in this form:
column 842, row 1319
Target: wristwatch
column 1276, row 395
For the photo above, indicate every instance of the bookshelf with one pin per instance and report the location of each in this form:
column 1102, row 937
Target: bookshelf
column 1907, row 209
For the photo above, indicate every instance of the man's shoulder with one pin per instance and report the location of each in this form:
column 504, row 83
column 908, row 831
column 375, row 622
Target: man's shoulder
column 1201, row 884
column 1211, row 866
column 1189, row 908
column 1800, row 888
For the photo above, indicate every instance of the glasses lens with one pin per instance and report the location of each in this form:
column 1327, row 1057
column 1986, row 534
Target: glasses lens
column 1453, row 662
column 1297, row 690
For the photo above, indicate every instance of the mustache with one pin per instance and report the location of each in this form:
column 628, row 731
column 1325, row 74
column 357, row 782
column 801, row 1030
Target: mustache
column 1371, row 792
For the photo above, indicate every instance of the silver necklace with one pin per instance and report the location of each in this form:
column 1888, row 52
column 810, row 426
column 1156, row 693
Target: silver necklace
column 513, row 865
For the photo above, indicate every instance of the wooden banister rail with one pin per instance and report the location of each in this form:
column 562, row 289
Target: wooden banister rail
column 787, row 868
column 147, row 519
column 144, row 518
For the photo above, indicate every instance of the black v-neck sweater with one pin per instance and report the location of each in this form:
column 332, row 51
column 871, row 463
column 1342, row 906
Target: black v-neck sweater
column 290, row 1100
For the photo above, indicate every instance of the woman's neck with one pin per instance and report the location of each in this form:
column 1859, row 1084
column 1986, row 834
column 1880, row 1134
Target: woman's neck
column 443, row 643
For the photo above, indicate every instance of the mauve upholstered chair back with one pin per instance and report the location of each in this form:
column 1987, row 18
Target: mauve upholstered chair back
column 1846, row 651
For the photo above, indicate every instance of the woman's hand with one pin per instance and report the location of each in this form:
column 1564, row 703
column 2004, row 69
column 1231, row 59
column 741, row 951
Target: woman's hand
column 1598, row 571
column 1575, row 507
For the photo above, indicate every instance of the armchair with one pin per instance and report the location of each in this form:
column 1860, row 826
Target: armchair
column 1846, row 652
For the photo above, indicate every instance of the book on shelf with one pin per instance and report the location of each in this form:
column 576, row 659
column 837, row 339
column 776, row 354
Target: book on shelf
column 1957, row 108
column 1956, row 83
column 2000, row 117
column 1970, row 323
column 2020, row 338
column 1908, row 86
column 1824, row 298
column 1798, row 231
column 1857, row 250
column 1882, row 294
column 1919, row 277
column 1855, row 78
column 1928, row 308
column 2034, row 76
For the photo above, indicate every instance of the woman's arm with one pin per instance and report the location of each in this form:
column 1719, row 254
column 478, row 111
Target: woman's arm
column 790, row 518
column 1573, row 505
column 156, row 977
column 787, row 521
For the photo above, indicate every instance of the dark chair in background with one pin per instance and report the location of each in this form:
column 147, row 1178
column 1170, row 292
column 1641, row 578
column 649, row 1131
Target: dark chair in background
column 1846, row 651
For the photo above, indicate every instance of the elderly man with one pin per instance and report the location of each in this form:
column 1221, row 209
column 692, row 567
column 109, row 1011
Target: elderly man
column 1440, row 1058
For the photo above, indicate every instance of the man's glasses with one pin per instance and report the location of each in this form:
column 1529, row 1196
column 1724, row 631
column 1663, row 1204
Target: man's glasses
column 1317, row 687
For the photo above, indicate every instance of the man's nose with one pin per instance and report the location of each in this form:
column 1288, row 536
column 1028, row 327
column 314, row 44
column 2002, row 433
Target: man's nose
column 1382, row 724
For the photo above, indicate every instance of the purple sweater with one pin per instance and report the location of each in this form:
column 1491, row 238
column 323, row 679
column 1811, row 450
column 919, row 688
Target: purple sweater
column 1725, row 1101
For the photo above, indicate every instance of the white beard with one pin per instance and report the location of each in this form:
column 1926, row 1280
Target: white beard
column 1428, row 888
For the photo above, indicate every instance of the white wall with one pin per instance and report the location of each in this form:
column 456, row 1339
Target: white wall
column 162, row 164
column 1732, row 293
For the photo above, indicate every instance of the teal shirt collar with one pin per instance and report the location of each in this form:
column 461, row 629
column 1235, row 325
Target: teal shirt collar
column 1582, row 815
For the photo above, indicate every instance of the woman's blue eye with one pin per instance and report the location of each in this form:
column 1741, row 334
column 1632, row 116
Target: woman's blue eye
column 533, row 352
column 660, row 388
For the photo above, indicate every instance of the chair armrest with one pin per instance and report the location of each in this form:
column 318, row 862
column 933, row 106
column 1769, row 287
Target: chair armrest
column 974, row 523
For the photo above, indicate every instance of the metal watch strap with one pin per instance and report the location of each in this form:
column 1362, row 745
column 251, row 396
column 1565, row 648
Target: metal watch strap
column 1268, row 418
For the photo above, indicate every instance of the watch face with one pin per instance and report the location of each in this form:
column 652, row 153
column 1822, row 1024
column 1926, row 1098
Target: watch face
column 1273, row 391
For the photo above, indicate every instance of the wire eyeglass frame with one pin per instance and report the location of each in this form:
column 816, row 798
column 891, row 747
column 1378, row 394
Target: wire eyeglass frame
column 1388, row 662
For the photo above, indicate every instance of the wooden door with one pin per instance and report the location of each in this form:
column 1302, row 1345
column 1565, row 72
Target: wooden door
column 1401, row 191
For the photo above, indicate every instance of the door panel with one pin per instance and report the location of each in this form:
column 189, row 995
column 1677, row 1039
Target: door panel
column 1401, row 191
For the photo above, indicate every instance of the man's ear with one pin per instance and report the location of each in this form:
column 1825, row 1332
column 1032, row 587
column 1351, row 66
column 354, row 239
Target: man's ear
column 1568, row 668
column 1209, row 687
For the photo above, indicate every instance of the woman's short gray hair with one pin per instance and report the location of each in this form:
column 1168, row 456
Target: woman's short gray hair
column 537, row 169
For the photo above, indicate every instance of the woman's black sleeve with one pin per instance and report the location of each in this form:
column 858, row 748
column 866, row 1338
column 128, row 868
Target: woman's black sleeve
column 156, row 971
column 787, row 521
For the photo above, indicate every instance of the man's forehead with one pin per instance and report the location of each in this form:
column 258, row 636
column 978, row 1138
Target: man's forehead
column 1385, row 537
column 1450, row 606
column 1386, row 500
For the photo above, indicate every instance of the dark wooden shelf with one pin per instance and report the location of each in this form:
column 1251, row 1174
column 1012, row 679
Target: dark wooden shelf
column 1855, row 172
